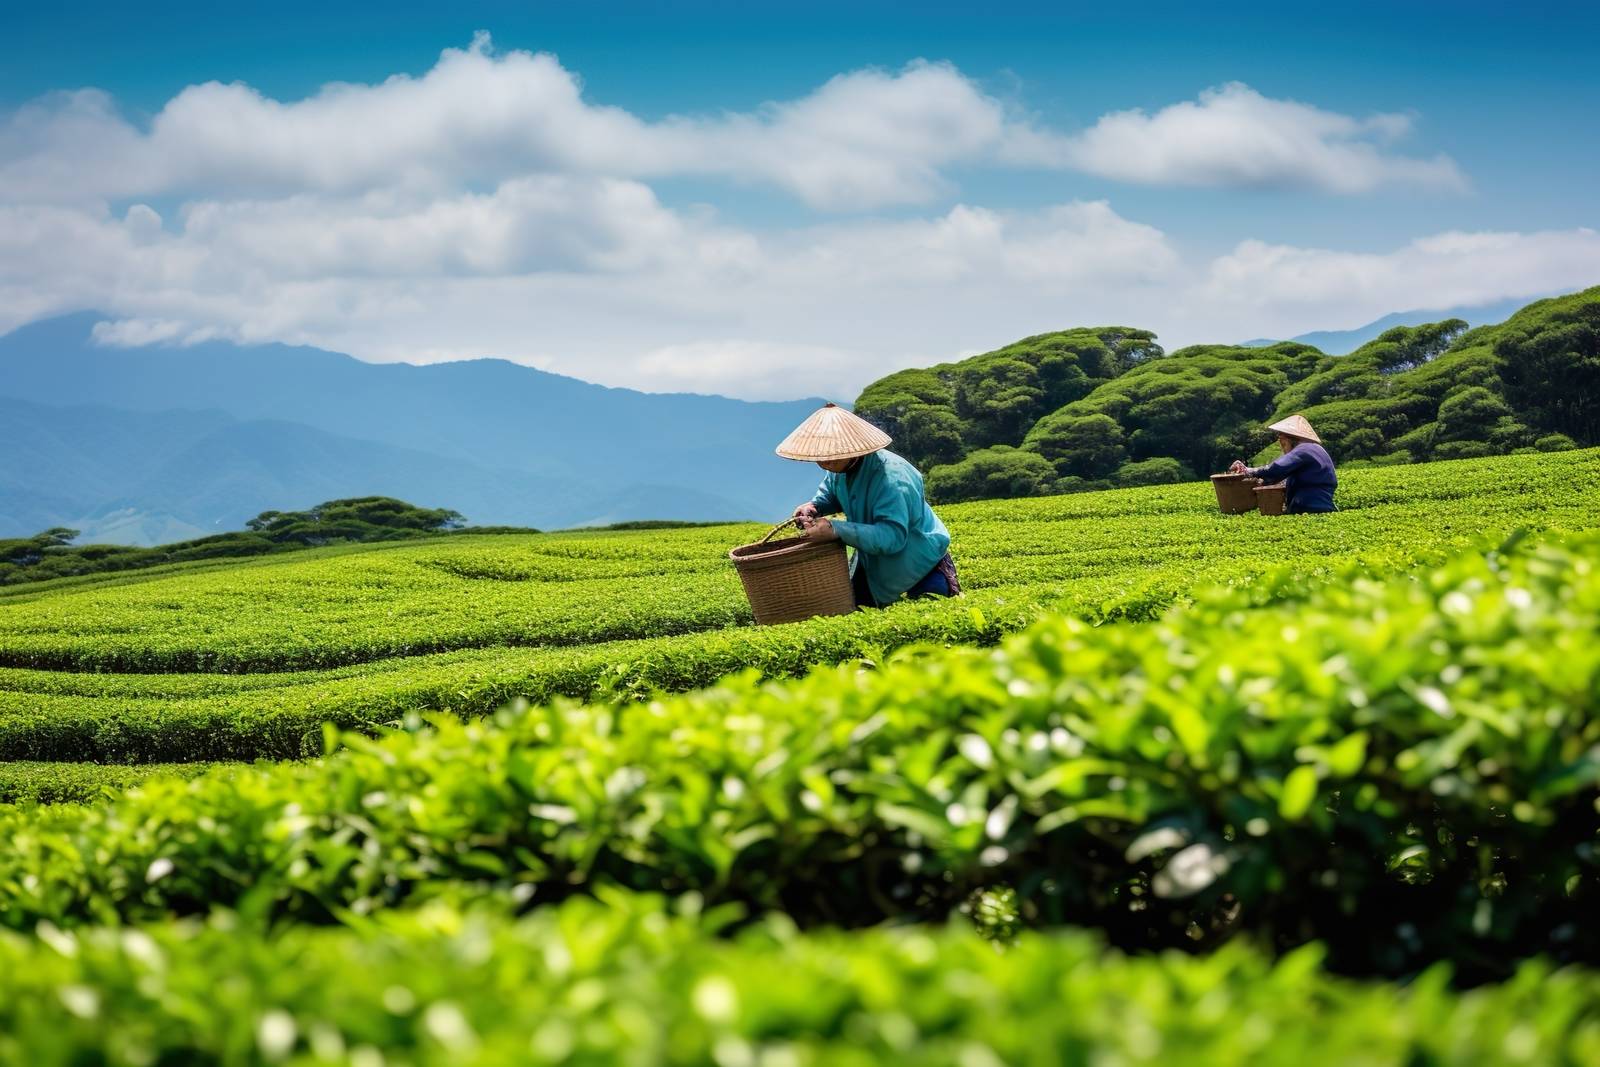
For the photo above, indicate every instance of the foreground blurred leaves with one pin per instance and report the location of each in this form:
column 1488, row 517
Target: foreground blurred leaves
column 624, row 981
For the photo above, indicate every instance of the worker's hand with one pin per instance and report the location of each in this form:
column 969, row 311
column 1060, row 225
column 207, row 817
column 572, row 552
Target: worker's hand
column 805, row 511
column 1239, row 467
column 821, row 530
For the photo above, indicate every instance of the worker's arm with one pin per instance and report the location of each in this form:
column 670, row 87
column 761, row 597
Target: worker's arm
column 889, row 528
column 1282, row 467
column 823, row 503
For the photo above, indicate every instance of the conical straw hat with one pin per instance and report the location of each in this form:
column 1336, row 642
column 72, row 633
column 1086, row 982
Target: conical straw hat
column 831, row 432
column 1296, row 426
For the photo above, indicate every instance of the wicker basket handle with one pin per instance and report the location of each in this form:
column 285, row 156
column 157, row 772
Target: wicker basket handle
column 793, row 520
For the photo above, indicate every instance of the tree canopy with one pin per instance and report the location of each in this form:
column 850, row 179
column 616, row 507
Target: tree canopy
column 1000, row 471
column 1097, row 406
column 370, row 518
column 1196, row 406
column 1548, row 356
column 367, row 518
column 27, row 551
column 939, row 414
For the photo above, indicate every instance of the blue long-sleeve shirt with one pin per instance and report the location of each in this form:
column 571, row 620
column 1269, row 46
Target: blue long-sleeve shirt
column 896, row 535
column 1308, row 469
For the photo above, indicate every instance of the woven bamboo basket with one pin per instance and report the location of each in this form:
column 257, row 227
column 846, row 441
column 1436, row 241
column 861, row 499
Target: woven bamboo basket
column 794, row 578
column 1272, row 499
column 1235, row 492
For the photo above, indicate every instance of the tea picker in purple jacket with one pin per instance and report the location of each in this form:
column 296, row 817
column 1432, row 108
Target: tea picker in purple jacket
column 1305, row 465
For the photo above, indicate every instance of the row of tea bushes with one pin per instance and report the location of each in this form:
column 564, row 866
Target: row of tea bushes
column 1110, row 555
column 1407, row 769
column 138, row 718
column 183, row 717
column 34, row 782
column 300, row 614
column 1118, row 567
column 626, row 983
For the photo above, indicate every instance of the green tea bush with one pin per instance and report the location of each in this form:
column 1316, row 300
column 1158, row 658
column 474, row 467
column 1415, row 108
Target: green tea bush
column 46, row 715
column 375, row 612
column 138, row 718
column 1407, row 769
column 626, row 983
column 306, row 614
column 31, row 782
column 1104, row 555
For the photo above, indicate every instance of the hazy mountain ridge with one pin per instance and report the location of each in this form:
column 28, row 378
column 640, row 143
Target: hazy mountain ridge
column 159, row 443
column 1344, row 342
column 199, row 439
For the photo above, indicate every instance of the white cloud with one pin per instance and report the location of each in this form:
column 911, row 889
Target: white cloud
column 592, row 278
column 765, row 369
column 1068, row 244
column 68, row 146
column 865, row 138
column 862, row 140
column 136, row 333
column 1289, row 290
column 680, row 302
column 486, row 208
column 526, row 225
column 1234, row 136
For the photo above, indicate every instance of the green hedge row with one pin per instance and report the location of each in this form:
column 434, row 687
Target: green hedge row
column 285, row 722
column 33, row 782
column 1405, row 769
column 1127, row 554
column 139, row 718
column 327, row 613
column 618, row 983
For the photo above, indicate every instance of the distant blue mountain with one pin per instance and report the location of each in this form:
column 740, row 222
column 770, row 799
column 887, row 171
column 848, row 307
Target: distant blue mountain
column 1343, row 342
column 135, row 444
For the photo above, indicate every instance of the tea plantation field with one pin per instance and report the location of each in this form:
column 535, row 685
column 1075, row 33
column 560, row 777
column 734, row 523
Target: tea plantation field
column 1164, row 786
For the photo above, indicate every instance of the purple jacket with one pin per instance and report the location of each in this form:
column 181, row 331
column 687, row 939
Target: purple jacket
column 1308, row 469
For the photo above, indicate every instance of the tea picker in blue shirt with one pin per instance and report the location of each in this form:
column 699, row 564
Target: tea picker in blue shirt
column 1305, row 466
column 902, row 549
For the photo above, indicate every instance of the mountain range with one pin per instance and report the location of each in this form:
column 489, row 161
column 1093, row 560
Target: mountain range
column 154, row 444
column 1343, row 342
column 146, row 445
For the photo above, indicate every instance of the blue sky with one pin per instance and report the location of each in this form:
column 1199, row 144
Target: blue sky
column 1476, row 184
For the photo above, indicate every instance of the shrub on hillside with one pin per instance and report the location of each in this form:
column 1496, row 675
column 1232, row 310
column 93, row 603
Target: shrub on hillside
column 1162, row 471
column 1191, row 405
column 1388, row 459
column 368, row 518
column 1548, row 355
column 1088, row 447
column 939, row 415
column 360, row 519
column 1462, row 450
column 991, row 473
